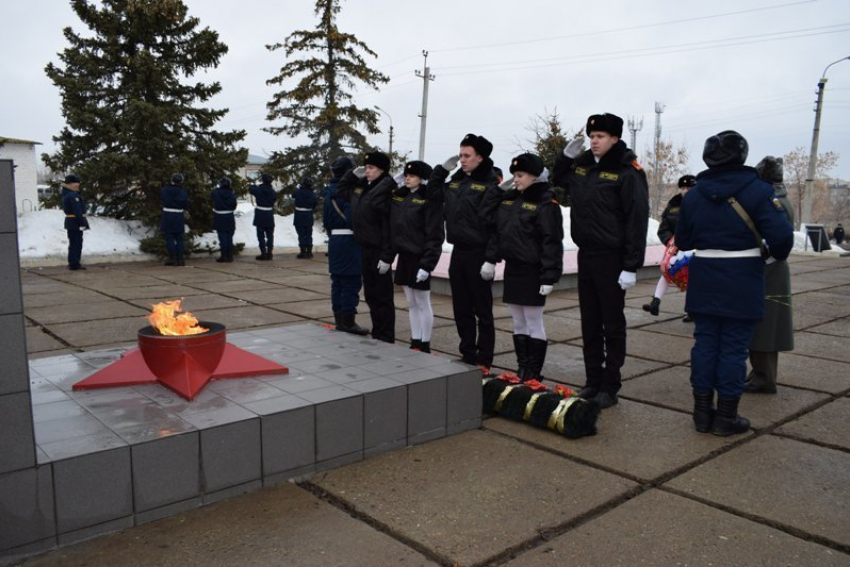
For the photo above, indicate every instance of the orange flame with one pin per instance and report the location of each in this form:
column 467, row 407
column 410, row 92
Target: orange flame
column 168, row 320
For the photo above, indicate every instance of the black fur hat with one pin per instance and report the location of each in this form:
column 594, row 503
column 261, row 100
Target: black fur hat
column 480, row 144
column 529, row 163
column 307, row 182
column 267, row 178
column 770, row 169
column 687, row 181
column 418, row 168
column 225, row 183
column 726, row 148
column 177, row 179
column 378, row 159
column 610, row 123
column 341, row 165
column 72, row 178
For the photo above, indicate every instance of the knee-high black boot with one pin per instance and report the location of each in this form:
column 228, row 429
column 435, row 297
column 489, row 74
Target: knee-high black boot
column 536, row 358
column 703, row 411
column 521, row 348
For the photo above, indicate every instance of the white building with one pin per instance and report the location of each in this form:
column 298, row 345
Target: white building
column 22, row 153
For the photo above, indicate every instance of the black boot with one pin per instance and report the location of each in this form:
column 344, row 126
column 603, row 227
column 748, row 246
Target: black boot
column 703, row 411
column 521, row 348
column 269, row 255
column 652, row 306
column 262, row 255
column 425, row 346
column 726, row 419
column 415, row 344
column 303, row 254
column 181, row 261
column 172, row 260
column 348, row 325
column 536, row 358
column 221, row 258
column 337, row 316
column 309, row 252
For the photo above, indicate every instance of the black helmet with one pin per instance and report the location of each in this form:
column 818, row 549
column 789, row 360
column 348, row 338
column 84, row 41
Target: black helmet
column 225, row 182
column 177, row 179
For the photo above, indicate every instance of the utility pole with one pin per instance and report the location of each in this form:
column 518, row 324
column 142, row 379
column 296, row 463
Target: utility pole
column 391, row 128
column 806, row 217
column 635, row 126
column 659, row 108
column 426, row 77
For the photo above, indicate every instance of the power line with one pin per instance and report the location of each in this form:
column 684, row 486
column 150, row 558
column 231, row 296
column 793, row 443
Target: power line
column 627, row 28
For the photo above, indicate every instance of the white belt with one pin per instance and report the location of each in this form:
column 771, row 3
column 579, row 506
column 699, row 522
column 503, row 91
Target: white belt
column 166, row 210
column 339, row 231
column 259, row 208
column 216, row 211
column 302, row 209
column 751, row 253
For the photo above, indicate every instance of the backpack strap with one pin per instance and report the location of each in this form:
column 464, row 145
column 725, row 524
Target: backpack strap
column 749, row 222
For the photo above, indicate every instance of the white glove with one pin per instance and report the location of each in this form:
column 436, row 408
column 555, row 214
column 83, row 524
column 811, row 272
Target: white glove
column 82, row 228
column 546, row 289
column 507, row 184
column 383, row 267
column 488, row 271
column 422, row 275
column 574, row 148
column 398, row 177
column 627, row 280
column 770, row 260
column 360, row 172
column 451, row 163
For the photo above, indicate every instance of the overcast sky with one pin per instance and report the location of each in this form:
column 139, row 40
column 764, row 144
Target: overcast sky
column 748, row 65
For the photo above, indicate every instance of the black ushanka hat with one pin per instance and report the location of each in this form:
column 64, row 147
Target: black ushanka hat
column 610, row 123
column 529, row 163
column 418, row 168
column 480, row 144
column 378, row 159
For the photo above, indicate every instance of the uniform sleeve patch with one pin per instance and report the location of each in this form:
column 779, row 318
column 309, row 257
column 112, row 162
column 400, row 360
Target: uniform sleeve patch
column 609, row 176
column 636, row 165
column 777, row 204
column 581, row 171
column 529, row 206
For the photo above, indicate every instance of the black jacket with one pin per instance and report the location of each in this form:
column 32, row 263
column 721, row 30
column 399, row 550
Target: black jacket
column 609, row 203
column 416, row 226
column 370, row 209
column 530, row 230
column 468, row 204
column 669, row 219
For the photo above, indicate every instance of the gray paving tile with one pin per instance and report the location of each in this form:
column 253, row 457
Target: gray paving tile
column 230, row 455
column 289, row 440
column 829, row 425
column 16, row 432
column 339, row 428
column 166, row 471
column 26, row 507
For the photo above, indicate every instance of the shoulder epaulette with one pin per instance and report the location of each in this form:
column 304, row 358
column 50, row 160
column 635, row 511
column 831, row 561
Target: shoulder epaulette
column 636, row 165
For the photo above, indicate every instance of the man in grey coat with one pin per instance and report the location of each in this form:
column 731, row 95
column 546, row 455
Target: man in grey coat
column 776, row 331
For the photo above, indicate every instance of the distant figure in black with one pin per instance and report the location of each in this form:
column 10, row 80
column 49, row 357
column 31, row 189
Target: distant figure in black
column 174, row 201
column 264, row 197
column 838, row 234
column 305, row 205
column 224, row 222
column 75, row 220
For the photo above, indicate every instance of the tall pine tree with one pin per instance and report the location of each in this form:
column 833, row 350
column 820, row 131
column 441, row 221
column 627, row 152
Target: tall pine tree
column 132, row 113
column 325, row 64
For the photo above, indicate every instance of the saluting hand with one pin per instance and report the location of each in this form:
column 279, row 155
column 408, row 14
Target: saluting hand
column 507, row 184
column 574, row 148
column 451, row 163
column 360, row 172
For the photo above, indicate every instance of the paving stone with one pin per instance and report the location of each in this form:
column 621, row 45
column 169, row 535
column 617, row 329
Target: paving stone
column 191, row 303
column 245, row 317
column 459, row 496
column 671, row 388
column 814, row 309
column 315, row 309
column 194, row 276
column 230, row 455
column 236, row 286
column 822, row 346
column 797, row 484
column 154, row 293
column 681, row 532
column 263, row 521
column 289, row 440
column 815, row 373
column 445, row 339
column 101, row 332
column 658, row 347
column 32, row 301
column 557, row 328
column 166, row 471
column 26, row 507
column 621, row 442
column 83, row 312
column 829, row 425
column 39, row 341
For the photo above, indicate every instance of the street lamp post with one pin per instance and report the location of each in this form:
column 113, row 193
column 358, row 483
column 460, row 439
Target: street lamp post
column 391, row 128
column 813, row 156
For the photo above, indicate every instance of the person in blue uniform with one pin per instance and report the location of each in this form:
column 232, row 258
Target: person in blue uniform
column 344, row 255
column 417, row 233
column 305, row 204
column 369, row 189
column 530, row 238
column 224, row 222
column 75, row 220
column 264, row 197
column 734, row 223
column 174, row 201
column 609, row 213
column 464, row 198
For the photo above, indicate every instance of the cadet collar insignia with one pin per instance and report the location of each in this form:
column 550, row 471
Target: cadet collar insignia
column 477, row 186
column 358, row 191
column 777, row 204
column 454, row 185
column 507, row 203
column 418, row 201
column 529, row 206
column 609, row 176
column 581, row 171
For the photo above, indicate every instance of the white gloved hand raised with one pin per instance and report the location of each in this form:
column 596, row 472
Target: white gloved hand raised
column 507, row 184
column 451, row 163
column 627, row 279
column 574, row 148
column 383, row 267
column 422, row 275
column 546, row 289
column 360, row 172
column 488, row 271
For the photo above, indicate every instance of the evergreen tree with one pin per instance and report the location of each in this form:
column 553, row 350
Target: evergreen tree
column 325, row 65
column 549, row 140
column 130, row 108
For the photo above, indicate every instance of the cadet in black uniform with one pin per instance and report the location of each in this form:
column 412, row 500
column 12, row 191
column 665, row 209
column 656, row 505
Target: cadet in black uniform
column 467, row 197
column 666, row 230
column 305, row 204
column 75, row 220
column 174, row 201
column 416, row 227
column 224, row 222
column 369, row 188
column 608, row 218
column 530, row 238
column 265, row 197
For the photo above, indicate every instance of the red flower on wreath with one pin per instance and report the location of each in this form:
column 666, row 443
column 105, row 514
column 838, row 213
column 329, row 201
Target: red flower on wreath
column 536, row 385
column 510, row 377
column 563, row 391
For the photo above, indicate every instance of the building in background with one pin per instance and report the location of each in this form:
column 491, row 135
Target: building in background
column 22, row 153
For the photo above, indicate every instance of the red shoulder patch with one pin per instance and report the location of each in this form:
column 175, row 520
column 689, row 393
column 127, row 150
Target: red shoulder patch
column 636, row 165
column 555, row 201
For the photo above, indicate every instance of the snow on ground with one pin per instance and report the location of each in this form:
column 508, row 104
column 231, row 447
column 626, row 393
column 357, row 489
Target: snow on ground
column 41, row 235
